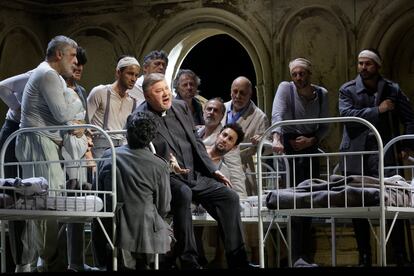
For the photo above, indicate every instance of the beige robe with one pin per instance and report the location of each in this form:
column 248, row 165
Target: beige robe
column 253, row 121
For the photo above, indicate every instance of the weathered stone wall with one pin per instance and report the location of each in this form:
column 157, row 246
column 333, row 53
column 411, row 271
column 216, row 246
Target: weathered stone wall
column 328, row 32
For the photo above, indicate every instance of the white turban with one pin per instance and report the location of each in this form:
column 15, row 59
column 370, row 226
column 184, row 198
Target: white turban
column 127, row 61
column 371, row 55
column 300, row 62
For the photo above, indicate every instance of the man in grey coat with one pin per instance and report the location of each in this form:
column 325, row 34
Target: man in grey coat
column 143, row 193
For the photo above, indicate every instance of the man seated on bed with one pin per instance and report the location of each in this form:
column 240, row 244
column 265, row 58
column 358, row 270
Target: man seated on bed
column 143, row 193
column 199, row 180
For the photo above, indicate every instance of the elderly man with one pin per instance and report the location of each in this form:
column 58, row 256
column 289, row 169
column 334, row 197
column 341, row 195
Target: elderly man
column 213, row 113
column 43, row 104
column 109, row 105
column 381, row 102
column 300, row 99
column 186, row 85
column 254, row 122
column 154, row 62
column 196, row 178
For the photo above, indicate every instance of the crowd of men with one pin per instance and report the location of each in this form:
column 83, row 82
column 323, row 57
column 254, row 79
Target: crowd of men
column 198, row 158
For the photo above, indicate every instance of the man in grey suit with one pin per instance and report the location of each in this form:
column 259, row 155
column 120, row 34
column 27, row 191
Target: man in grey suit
column 382, row 103
column 143, row 193
column 195, row 177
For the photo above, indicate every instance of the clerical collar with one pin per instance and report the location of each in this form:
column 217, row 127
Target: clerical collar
column 161, row 114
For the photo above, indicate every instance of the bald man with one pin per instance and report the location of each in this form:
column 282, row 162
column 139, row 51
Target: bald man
column 253, row 121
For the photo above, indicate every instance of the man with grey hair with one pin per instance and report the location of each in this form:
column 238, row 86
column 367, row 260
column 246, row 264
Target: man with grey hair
column 251, row 118
column 43, row 104
column 381, row 102
column 300, row 99
column 154, row 62
column 186, row 85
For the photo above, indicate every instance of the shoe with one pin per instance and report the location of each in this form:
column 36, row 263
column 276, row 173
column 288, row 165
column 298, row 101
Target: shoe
column 365, row 260
column 302, row 263
column 23, row 268
column 252, row 266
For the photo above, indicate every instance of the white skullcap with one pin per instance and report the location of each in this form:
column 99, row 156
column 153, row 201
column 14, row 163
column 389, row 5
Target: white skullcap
column 127, row 61
column 300, row 62
column 371, row 55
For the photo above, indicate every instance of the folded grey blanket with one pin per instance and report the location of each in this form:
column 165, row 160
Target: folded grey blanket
column 340, row 191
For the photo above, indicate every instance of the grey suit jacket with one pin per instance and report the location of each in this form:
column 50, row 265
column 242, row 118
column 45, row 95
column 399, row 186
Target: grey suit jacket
column 143, row 195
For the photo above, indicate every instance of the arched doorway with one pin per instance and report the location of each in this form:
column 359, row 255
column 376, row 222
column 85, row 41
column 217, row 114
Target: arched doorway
column 218, row 60
column 179, row 35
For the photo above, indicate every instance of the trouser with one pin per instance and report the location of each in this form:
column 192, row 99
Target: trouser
column 221, row 203
column 101, row 250
column 37, row 147
column 300, row 170
column 397, row 238
column 75, row 246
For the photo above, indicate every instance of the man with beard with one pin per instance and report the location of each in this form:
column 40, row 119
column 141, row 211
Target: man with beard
column 43, row 104
column 300, row 99
column 382, row 103
column 109, row 105
column 229, row 137
column 213, row 113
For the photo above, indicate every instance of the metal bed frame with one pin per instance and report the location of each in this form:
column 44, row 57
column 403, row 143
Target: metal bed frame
column 374, row 212
column 66, row 216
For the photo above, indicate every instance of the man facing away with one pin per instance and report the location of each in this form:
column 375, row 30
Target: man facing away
column 198, row 180
column 380, row 101
column 143, row 191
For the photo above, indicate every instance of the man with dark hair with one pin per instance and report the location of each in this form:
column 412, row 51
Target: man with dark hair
column 195, row 177
column 382, row 103
column 154, row 62
column 230, row 136
column 72, row 150
column 143, row 191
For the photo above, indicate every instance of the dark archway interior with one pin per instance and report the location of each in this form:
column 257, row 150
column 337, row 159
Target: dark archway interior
column 218, row 60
